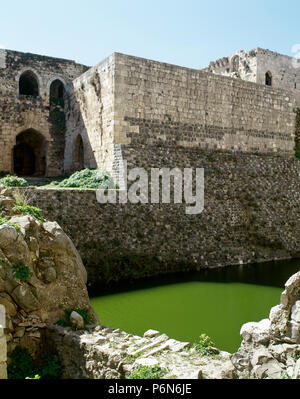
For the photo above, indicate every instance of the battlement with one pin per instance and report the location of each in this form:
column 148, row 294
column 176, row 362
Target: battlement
column 261, row 66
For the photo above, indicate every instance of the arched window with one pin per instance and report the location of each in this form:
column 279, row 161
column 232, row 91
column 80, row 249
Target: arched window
column 56, row 90
column 28, row 84
column 78, row 155
column 268, row 78
column 235, row 64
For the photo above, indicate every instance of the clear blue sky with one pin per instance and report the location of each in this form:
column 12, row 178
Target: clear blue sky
column 190, row 33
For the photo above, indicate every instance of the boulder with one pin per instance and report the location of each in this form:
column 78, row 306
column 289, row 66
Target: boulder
column 77, row 320
column 270, row 347
column 51, row 277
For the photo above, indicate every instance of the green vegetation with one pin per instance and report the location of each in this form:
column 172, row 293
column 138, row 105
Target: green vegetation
column 296, row 355
column 36, row 377
column 13, row 181
column 5, row 220
column 148, row 373
column 284, row 376
column 29, row 210
column 206, row 346
column 23, row 208
column 88, row 178
column 23, row 366
column 21, row 272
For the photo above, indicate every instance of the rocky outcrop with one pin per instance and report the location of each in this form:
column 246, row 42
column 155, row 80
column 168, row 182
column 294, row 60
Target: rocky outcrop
column 271, row 348
column 41, row 276
column 107, row 353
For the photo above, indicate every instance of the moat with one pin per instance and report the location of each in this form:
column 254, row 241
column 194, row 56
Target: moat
column 215, row 301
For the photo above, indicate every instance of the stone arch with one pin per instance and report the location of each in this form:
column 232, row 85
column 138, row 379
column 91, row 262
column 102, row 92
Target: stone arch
column 269, row 78
column 235, row 62
column 56, row 91
column 78, row 154
column 28, row 84
column 29, row 154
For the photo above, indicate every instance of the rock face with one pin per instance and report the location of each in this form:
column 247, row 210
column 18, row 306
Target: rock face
column 41, row 277
column 107, row 353
column 271, row 348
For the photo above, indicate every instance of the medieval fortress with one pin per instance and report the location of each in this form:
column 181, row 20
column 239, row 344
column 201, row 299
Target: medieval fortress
column 57, row 116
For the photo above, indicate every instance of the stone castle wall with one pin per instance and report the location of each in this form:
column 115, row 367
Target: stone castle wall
column 163, row 104
column 250, row 215
column 19, row 113
column 132, row 101
column 253, row 65
column 90, row 116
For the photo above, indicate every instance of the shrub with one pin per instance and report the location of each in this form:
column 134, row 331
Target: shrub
column 13, row 181
column 23, row 208
column 88, row 178
column 206, row 346
column 29, row 210
column 148, row 373
column 22, row 366
column 51, row 367
column 21, row 272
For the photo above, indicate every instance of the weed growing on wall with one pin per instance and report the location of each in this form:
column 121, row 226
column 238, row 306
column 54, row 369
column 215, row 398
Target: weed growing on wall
column 5, row 220
column 23, row 208
column 206, row 346
column 21, row 272
column 148, row 373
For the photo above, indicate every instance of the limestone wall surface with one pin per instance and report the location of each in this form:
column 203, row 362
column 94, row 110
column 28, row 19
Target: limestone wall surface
column 127, row 100
column 285, row 70
column 253, row 65
column 250, row 215
column 157, row 103
column 90, row 116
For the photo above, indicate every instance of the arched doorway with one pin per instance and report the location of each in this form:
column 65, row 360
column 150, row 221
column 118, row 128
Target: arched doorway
column 78, row 155
column 28, row 84
column 29, row 154
column 56, row 92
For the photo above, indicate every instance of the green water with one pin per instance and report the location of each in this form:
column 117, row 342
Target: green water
column 216, row 302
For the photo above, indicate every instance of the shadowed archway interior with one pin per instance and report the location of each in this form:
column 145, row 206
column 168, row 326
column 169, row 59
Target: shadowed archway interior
column 78, row 155
column 28, row 84
column 30, row 154
column 56, row 91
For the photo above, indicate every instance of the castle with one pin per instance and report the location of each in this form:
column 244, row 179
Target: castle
column 57, row 116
